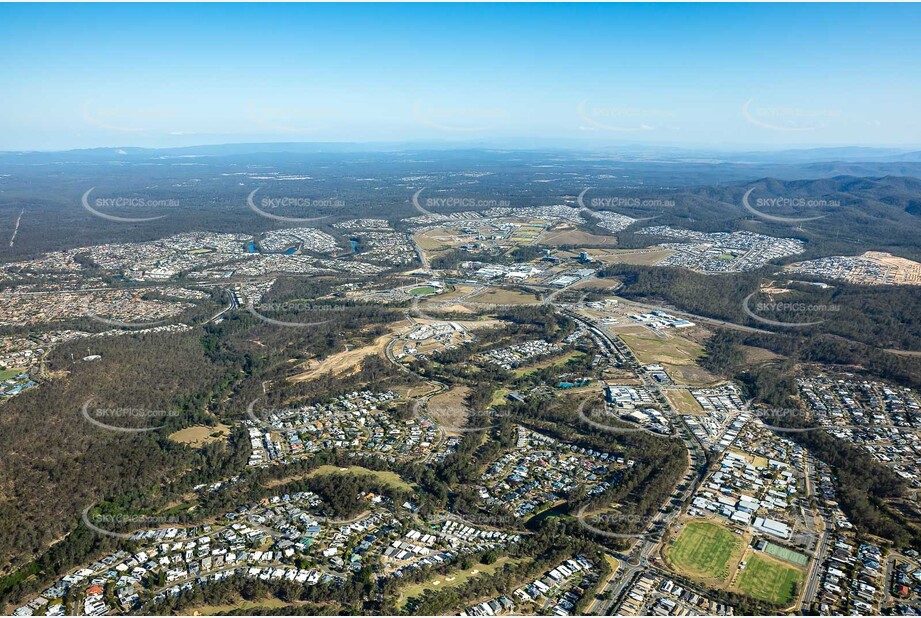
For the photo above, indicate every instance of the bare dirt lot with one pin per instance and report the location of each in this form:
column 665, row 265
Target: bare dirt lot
column 450, row 408
column 447, row 308
column 576, row 237
column 347, row 362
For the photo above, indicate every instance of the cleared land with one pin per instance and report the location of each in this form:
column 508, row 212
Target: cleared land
column 755, row 460
column 755, row 355
column 606, row 284
column 411, row 392
column 549, row 362
column 691, row 375
column 770, row 580
column 636, row 257
column 443, row 307
column 450, row 408
column 683, row 401
column 200, row 435
column 526, row 234
column 348, row 361
column 498, row 397
column 454, row 578
column 706, row 550
column 678, row 355
column 242, row 605
column 650, row 348
column 385, row 476
column 456, row 291
column 438, row 239
column 501, row 296
column 577, row 238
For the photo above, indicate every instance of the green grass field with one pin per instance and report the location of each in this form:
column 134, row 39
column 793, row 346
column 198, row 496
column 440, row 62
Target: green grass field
column 6, row 374
column 705, row 550
column 770, row 580
column 422, row 290
column 454, row 578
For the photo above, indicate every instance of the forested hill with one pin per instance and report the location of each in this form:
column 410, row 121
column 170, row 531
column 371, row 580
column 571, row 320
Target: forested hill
column 848, row 215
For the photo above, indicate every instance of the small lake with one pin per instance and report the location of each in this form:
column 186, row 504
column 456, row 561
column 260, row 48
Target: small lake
column 534, row 523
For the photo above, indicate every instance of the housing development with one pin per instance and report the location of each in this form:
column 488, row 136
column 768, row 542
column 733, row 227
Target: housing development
column 427, row 310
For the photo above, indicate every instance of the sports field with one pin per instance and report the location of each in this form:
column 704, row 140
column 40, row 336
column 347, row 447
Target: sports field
column 770, row 580
column 422, row 290
column 705, row 550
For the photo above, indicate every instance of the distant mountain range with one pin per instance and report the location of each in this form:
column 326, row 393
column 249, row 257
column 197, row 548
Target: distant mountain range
column 626, row 152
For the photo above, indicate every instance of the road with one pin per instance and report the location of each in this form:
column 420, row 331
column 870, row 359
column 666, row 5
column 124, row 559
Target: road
column 16, row 227
column 657, row 528
column 422, row 257
column 818, row 555
column 233, row 305
column 421, row 402
column 700, row 318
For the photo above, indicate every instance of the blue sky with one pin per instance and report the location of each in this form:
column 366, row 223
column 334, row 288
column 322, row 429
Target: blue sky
column 722, row 75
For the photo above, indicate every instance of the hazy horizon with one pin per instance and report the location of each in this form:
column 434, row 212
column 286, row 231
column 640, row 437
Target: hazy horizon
column 689, row 76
